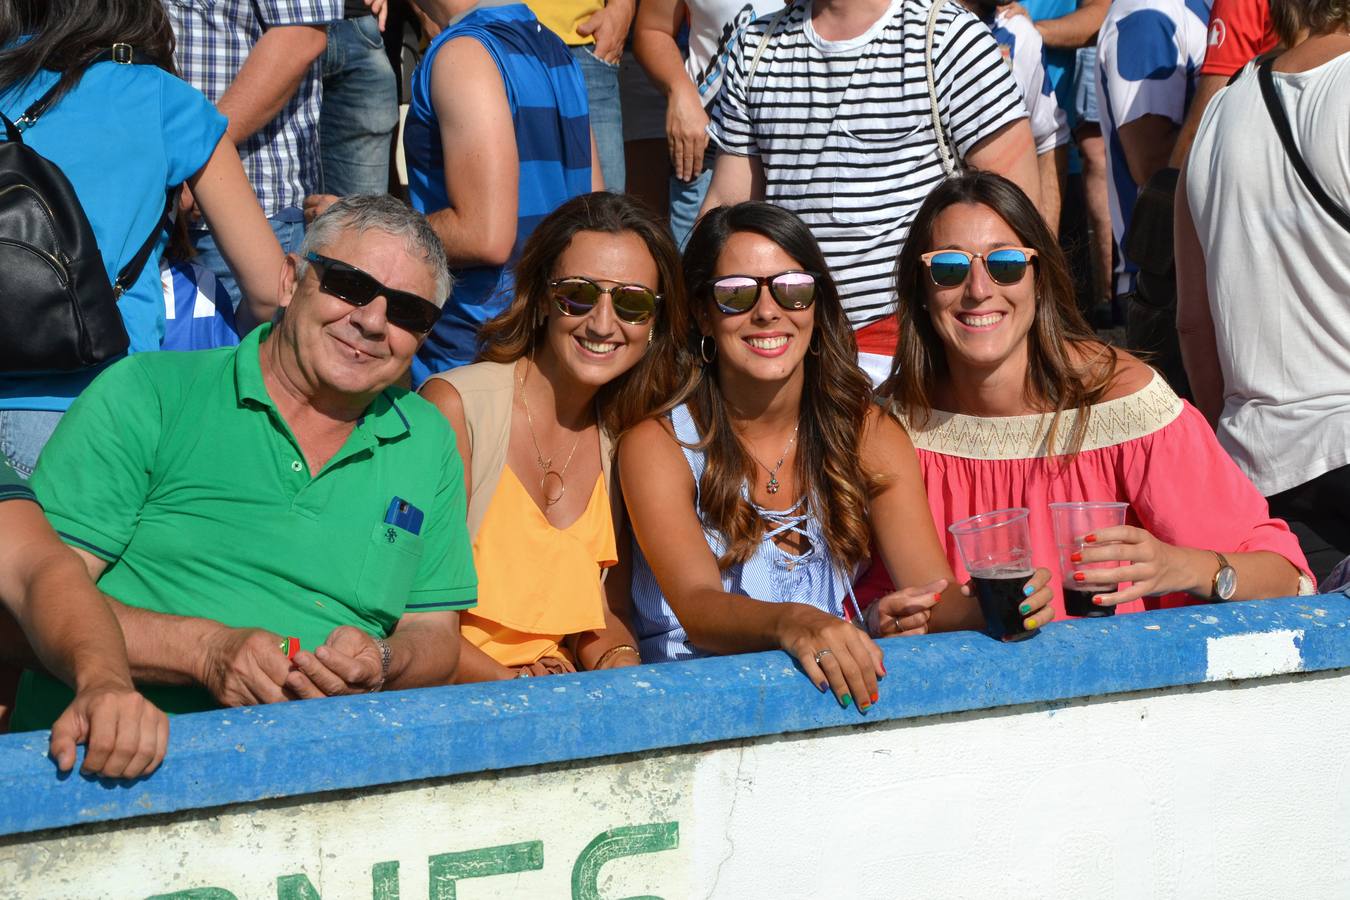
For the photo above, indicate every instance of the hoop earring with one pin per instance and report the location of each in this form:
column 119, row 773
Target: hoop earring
column 813, row 345
column 703, row 351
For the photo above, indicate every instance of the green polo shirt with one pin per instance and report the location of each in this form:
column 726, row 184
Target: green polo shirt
column 12, row 485
column 178, row 470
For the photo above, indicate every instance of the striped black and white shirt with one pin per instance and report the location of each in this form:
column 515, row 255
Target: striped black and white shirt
column 843, row 129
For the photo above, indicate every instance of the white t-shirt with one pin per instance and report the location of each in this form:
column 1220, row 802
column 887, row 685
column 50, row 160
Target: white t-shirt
column 1148, row 58
column 1278, row 273
column 844, row 133
column 714, row 28
column 1024, row 50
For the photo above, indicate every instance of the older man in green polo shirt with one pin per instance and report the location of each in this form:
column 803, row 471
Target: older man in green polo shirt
column 277, row 520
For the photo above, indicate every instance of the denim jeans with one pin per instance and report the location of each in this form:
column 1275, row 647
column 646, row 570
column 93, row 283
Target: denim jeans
column 360, row 110
column 288, row 226
column 602, row 95
column 23, row 434
column 686, row 199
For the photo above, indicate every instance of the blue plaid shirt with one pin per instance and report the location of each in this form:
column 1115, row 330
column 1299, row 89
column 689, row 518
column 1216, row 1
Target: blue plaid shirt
column 282, row 158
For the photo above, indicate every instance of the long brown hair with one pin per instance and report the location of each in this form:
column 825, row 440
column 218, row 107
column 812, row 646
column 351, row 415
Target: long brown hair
column 835, row 399
column 65, row 34
column 1054, row 380
column 665, row 367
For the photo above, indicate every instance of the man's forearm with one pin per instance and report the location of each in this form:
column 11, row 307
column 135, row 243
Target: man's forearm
column 467, row 245
column 162, row 648
column 424, row 654
column 269, row 77
column 73, row 633
column 1077, row 29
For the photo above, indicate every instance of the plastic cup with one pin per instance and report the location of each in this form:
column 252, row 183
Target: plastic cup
column 996, row 549
column 1073, row 521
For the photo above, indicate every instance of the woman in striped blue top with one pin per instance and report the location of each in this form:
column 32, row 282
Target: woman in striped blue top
column 755, row 498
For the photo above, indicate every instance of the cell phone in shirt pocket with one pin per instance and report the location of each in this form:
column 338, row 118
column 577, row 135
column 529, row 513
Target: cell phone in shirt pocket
column 389, row 570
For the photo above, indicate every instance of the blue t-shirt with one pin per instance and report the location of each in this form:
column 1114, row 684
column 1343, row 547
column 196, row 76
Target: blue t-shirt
column 122, row 137
column 547, row 95
column 1058, row 60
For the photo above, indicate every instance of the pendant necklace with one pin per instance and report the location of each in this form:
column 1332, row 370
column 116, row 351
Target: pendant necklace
column 772, row 486
column 546, row 465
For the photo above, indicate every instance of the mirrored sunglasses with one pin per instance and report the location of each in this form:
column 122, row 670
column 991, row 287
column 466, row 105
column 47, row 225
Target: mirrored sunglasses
column 577, row 295
column 1005, row 266
column 735, row 294
column 348, row 283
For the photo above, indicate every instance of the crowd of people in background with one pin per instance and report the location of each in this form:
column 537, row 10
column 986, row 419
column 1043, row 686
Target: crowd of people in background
column 567, row 335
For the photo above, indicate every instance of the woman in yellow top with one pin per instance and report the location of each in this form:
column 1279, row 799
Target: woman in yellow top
column 587, row 346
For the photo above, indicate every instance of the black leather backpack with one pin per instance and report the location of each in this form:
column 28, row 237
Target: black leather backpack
column 57, row 310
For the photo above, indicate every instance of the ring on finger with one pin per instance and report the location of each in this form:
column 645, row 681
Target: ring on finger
column 821, row 654
column 897, row 624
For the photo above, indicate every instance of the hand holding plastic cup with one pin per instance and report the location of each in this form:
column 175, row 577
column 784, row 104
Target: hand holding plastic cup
column 996, row 550
column 1073, row 522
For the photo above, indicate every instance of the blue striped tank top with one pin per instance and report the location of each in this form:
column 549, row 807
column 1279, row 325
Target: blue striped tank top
column 547, row 95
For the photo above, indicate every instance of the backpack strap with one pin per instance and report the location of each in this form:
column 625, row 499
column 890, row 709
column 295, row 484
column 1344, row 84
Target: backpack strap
column 123, row 54
column 950, row 165
column 764, row 43
column 1281, row 121
column 132, row 270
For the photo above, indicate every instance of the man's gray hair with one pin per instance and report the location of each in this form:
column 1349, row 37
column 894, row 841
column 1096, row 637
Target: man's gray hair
column 380, row 212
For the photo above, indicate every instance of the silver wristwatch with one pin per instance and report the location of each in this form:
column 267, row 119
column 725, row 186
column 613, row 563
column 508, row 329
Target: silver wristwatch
column 386, row 657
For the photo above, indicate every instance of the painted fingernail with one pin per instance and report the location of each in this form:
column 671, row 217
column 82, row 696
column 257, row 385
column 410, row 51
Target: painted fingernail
column 1090, row 539
column 823, row 686
column 1075, row 556
column 937, row 597
column 864, row 707
column 1079, row 576
column 1097, row 600
column 1031, row 623
column 1028, row 591
column 845, row 700
column 1024, row 608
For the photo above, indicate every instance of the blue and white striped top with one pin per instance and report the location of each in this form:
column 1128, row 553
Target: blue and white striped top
column 547, row 95
column 772, row 574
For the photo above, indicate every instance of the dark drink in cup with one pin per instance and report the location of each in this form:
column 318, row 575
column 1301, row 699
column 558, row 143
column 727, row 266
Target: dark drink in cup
column 996, row 548
column 1001, row 596
column 1079, row 603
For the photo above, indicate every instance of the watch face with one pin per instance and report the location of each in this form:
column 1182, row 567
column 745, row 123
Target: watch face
column 1226, row 583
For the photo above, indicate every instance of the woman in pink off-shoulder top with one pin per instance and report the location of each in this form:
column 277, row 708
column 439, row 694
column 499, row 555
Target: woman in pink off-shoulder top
column 1012, row 401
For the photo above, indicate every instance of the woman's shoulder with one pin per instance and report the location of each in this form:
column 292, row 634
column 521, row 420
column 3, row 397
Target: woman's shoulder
column 1131, row 375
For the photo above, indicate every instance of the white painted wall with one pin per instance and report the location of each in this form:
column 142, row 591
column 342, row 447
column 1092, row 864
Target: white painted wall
column 1232, row 791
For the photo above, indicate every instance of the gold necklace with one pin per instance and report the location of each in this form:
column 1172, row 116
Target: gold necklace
column 772, row 486
column 545, row 465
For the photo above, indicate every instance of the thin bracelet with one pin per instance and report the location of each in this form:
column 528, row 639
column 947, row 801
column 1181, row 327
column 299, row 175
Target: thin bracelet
column 600, row 663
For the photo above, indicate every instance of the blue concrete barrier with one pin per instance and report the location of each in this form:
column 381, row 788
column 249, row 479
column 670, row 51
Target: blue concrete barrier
column 295, row 749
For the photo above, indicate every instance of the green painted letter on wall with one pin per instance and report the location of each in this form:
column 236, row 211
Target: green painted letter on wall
column 610, row 845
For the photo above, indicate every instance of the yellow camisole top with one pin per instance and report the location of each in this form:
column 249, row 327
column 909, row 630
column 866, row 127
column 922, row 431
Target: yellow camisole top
column 537, row 583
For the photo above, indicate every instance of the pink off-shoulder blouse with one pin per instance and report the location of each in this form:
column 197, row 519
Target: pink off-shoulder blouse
column 1150, row 449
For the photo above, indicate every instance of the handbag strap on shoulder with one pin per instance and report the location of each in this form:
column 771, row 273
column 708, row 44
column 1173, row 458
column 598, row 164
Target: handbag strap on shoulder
column 1286, row 133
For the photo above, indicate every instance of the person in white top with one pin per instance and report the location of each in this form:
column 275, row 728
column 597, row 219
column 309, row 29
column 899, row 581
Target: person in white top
column 836, row 124
column 1263, row 272
column 1024, row 52
column 690, row 83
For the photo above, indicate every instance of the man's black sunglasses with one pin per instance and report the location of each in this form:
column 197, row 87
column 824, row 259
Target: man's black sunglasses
column 346, row 282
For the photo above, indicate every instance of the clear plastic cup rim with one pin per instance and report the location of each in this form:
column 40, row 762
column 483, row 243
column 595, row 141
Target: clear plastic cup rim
column 998, row 518
column 1092, row 504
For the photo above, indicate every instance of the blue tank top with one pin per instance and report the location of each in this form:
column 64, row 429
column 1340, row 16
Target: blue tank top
column 772, row 574
column 547, row 95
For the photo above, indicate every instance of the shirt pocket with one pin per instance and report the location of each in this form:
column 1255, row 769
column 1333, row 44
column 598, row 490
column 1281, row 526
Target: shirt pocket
column 866, row 156
column 388, row 571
